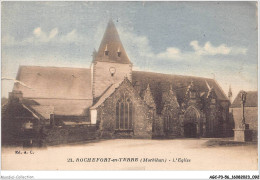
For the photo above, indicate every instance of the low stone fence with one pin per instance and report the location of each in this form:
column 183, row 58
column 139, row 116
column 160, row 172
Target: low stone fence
column 67, row 134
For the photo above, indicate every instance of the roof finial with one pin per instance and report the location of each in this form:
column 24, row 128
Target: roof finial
column 148, row 97
column 171, row 91
column 230, row 93
column 209, row 88
column 148, row 87
column 94, row 54
column 191, row 86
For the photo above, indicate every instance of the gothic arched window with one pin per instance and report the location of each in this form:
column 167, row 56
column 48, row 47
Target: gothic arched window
column 167, row 123
column 167, row 120
column 124, row 110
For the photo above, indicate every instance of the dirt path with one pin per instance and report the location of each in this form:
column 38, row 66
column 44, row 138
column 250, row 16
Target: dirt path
column 180, row 154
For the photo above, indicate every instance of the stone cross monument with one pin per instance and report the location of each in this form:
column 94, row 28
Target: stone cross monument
column 243, row 101
column 241, row 131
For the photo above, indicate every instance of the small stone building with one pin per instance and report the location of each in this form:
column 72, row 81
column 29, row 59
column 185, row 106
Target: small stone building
column 110, row 100
column 250, row 110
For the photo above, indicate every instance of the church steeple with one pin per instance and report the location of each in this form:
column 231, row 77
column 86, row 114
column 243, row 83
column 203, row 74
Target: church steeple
column 111, row 48
column 110, row 64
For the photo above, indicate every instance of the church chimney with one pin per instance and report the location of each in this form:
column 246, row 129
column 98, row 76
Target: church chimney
column 15, row 96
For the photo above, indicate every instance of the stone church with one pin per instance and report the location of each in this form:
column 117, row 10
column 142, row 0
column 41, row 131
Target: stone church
column 54, row 105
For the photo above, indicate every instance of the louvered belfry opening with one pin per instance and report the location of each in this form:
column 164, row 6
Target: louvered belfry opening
column 111, row 48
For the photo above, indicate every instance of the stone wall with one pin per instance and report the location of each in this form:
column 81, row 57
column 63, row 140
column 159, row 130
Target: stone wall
column 170, row 115
column 251, row 118
column 142, row 115
column 228, row 121
column 59, row 119
column 176, row 130
column 158, row 127
column 68, row 134
column 102, row 79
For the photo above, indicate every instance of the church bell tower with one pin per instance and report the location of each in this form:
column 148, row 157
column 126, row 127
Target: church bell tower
column 110, row 63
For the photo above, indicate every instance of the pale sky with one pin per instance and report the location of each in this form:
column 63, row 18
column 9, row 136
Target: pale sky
column 207, row 39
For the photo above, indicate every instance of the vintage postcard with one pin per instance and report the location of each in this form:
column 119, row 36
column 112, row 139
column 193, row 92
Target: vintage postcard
column 129, row 86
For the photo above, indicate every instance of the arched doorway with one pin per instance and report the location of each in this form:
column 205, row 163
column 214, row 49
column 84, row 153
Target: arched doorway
column 191, row 121
column 190, row 130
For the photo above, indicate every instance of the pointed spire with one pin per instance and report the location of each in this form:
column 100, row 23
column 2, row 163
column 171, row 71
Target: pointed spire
column 191, row 83
column 148, row 97
column 190, row 87
column 171, row 91
column 191, row 92
column 111, row 48
column 170, row 99
column 148, row 87
column 94, row 54
column 230, row 93
column 170, row 87
column 209, row 88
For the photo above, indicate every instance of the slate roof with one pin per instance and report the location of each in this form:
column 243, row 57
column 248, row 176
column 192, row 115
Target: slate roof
column 43, row 111
column 105, row 95
column 251, row 100
column 57, row 106
column 68, row 90
column 54, row 82
column 113, row 44
column 67, row 107
column 110, row 90
column 160, row 83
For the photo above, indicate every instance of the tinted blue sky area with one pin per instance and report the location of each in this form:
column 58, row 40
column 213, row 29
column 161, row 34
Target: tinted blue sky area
column 209, row 39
